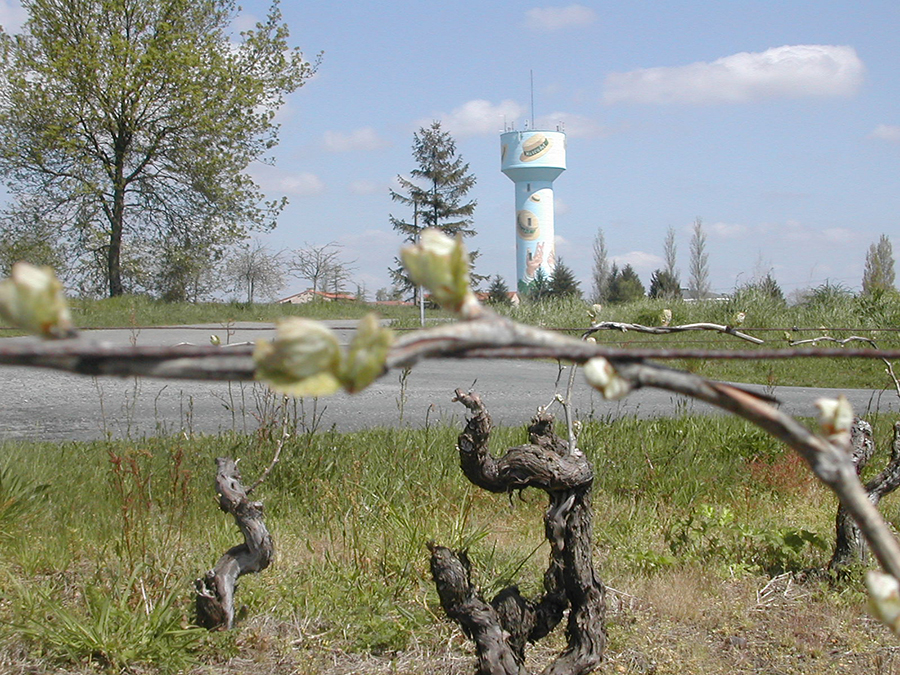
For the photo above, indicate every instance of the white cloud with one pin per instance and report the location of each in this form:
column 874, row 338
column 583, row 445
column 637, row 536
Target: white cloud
column 791, row 71
column 641, row 261
column 796, row 232
column 575, row 126
column 478, row 117
column 302, row 184
column 12, row 16
column 886, row 132
column 726, row 230
column 558, row 18
column 838, row 235
column 366, row 187
column 362, row 139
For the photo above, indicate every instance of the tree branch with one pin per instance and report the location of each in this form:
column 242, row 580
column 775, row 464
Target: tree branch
column 666, row 330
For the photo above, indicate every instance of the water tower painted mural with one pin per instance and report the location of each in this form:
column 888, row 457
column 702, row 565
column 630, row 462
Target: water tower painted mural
column 533, row 159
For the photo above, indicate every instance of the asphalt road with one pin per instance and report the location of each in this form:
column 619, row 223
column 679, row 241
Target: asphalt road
column 38, row 404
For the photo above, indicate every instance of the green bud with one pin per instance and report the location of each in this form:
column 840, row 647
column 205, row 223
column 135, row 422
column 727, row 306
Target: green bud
column 368, row 352
column 441, row 265
column 32, row 299
column 304, row 359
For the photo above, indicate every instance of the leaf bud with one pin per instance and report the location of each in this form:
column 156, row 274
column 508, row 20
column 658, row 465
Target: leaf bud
column 835, row 418
column 32, row 299
column 884, row 598
column 304, row 359
column 441, row 265
column 367, row 354
column 602, row 376
column 665, row 317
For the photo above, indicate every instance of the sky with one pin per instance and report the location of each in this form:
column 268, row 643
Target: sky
column 777, row 123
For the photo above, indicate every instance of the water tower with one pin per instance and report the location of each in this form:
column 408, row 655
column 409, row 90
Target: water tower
column 533, row 159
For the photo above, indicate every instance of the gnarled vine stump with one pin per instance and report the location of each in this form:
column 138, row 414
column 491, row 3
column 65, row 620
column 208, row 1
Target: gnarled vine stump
column 850, row 546
column 502, row 627
column 215, row 591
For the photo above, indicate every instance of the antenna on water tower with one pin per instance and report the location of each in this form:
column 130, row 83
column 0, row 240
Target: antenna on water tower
column 532, row 98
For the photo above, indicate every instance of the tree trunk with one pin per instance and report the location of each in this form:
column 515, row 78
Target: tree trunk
column 502, row 627
column 116, row 215
column 850, row 546
column 215, row 591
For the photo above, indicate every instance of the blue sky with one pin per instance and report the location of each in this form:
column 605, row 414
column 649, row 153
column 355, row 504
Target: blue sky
column 776, row 123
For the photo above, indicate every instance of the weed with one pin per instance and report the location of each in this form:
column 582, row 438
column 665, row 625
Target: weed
column 113, row 626
column 20, row 499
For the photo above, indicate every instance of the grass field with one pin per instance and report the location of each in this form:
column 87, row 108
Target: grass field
column 703, row 528
column 707, row 533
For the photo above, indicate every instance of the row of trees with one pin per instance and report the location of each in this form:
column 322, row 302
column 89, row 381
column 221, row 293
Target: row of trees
column 610, row 284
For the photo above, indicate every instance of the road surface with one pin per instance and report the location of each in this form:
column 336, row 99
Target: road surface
column 38, row 404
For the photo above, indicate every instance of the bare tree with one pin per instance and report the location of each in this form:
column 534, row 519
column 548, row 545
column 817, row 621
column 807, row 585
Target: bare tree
column 255, row 270
column 699, row 265
column 878, row 274
column 337, row 278
column 322, row 266
column 600, row 275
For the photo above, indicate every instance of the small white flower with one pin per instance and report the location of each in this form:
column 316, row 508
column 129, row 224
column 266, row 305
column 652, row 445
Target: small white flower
column 32, row 299
column 739, row 318
column 601, row 375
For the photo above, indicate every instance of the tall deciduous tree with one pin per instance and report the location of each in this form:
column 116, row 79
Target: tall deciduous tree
column 435, row 193
column 256, row 271
column 123, row 119
column 665, row 283
column 322, row 266
column 600, row 274
column 878, row 274
column 699, row 265
column 670, row 255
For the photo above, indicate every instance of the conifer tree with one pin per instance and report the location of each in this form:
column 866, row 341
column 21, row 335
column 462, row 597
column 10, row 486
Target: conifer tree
column 435, row 193
column 498, row 292
column 563, row 282
column 625, row 285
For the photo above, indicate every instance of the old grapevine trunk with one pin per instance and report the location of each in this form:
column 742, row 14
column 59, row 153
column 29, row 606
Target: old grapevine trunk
column 502, row 627
column 215, row 591
column 850, row 546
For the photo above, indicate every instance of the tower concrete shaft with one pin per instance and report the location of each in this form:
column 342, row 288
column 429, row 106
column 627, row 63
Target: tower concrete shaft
column 533, row 159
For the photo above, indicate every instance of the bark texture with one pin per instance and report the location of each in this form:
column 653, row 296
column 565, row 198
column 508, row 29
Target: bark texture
column 850, row 545
column 503, row 627
column 215, row 591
